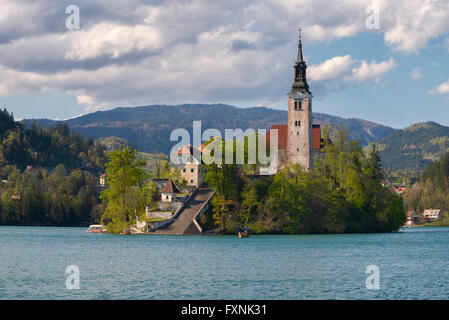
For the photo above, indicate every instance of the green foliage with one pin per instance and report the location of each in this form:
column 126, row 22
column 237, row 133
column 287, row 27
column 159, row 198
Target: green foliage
column 343, row 193
column 128, row 190
column 432, row 190
column 35, row 197
column 34, row 146
column 64, row 193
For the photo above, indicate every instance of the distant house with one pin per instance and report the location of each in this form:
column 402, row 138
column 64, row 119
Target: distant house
column 168, row 192
column 415, row 217
column 412, row 218
column 387, row 184
column 102, row 179
column 399, row 189
column 431, row 214
column 193, row 171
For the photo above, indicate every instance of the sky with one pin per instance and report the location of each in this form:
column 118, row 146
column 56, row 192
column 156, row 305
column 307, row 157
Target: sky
column 379, row 60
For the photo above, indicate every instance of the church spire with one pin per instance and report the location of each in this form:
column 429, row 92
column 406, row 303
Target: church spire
column 300, row 81
column 299, row 58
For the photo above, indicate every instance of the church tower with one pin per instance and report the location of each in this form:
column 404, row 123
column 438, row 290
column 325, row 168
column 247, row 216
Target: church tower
column 300, row 139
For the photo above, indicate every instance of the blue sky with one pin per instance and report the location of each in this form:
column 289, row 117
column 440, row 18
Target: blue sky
column 238, row 52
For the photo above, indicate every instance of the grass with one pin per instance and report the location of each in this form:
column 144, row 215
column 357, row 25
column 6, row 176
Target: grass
column 439, row 223
column 149, row 159
column 158, row 219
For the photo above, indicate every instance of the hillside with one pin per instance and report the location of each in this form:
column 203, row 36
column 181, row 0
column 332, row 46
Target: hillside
column 26, row 146
column 113, row 143
column 149, row 127
column 414, row 147
column 432, row 190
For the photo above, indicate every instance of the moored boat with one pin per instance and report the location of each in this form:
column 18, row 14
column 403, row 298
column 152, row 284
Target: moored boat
column 243, row 233
column 96, row 228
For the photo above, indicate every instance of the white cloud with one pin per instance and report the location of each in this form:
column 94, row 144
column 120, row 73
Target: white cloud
column 409, row 25
column 335, row 68
column 441, row 89
column 140, row 52
column 111, row 40
column 372, row 71
column 416, row 73
column 346, row 69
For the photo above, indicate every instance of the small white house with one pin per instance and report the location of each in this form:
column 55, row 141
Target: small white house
column 168, row 192
column 431, row 214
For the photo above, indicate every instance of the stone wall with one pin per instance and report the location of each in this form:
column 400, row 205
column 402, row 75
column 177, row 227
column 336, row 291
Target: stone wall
column 300, row 136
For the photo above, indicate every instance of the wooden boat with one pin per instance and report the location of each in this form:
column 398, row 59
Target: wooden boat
column 127, row 231
column 243, row 233
column 96, row 228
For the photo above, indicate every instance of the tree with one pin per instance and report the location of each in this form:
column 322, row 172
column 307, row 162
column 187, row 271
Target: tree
column 375, row 165
column 127, row 192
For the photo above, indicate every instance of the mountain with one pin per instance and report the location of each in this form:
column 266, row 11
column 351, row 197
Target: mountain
column 149, row 127
column 414, row 147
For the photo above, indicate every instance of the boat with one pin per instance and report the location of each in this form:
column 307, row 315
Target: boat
column 96, row 228
column 243, row 233
column 127, row 231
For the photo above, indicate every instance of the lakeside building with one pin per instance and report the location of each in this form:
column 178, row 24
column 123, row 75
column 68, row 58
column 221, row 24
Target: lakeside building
column 102, row 180
column 168, row 192
column 412, row 218
column 193, row 171
column 431, row 214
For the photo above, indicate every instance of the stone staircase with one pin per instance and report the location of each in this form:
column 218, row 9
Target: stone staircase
column 184, row 223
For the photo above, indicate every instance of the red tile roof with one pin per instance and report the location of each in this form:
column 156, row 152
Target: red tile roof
column 169, row 187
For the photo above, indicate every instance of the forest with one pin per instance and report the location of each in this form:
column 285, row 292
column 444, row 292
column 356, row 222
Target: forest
column 432, row 190
column 49, row 175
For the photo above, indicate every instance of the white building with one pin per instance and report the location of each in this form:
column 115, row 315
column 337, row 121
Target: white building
column 431, row 214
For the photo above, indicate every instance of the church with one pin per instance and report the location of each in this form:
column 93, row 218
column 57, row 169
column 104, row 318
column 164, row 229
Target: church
column 299, row 140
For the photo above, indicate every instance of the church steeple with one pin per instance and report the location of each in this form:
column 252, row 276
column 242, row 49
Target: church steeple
column 300, row 80
column 300, row 139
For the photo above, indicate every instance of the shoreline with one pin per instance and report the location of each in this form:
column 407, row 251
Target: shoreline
column 231, row 234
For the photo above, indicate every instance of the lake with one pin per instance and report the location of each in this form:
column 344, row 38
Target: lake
column 413, row 264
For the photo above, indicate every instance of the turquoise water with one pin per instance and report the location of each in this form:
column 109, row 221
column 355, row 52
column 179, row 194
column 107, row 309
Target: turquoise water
column 413, row 264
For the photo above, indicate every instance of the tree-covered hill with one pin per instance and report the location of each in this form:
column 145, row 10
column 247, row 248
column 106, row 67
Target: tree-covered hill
column 149, row 127
column 32, row 145
column 414, row 147
column 113, row 143
column 432, row 191
column 48, row 175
